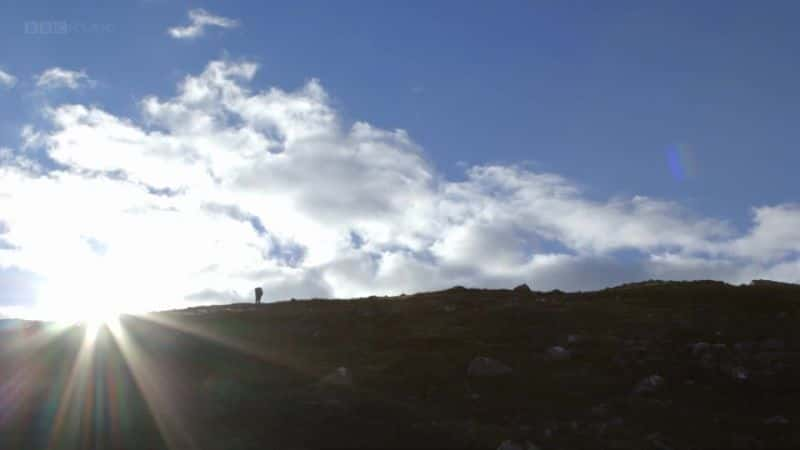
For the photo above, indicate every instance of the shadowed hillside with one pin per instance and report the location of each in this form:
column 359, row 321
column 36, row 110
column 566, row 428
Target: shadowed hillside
column 647, row 365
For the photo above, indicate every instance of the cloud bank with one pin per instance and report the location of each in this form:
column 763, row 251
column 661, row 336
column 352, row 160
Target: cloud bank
column 7, row 80
column 224, row 187
column 56, row 77
column 201, row 19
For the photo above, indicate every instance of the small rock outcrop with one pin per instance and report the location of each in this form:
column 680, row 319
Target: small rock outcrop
column 483, row 366
column 522, row 289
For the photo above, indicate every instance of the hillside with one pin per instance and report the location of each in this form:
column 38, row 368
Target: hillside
column 661, row 365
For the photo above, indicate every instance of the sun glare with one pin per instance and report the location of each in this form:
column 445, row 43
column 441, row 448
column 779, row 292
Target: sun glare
column 75, row 299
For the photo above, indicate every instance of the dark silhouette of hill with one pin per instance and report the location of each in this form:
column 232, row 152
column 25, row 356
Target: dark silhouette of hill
column 656, row 364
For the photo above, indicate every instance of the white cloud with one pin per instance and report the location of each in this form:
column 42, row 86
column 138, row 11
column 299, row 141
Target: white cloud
column 199, row 20
column 7, row 80
column 56, row 77
column 222, row 187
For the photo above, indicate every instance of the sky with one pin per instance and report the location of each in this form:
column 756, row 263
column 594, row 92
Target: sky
column 158, row 154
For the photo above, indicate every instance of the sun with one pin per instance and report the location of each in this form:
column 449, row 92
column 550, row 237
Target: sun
column 74, row 299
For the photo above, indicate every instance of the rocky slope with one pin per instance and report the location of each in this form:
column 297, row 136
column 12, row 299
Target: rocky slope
column 661, row 365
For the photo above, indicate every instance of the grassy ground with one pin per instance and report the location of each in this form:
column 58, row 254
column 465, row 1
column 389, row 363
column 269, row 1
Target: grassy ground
column 248, row 377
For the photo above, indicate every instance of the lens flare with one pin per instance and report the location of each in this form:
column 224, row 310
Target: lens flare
column 681, row 162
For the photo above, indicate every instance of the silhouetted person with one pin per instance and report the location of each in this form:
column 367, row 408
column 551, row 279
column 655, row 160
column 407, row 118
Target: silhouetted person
column 259, row 293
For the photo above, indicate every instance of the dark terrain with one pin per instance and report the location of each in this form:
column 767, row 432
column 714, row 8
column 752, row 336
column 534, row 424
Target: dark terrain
column 659, row 365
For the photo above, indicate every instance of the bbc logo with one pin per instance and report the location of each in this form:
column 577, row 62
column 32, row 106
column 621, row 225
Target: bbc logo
column 60, row 27
column 47, row 27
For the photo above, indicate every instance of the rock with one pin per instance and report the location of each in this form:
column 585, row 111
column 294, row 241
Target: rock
column 772, row 345
column 558, row 353
column 483, row 366
column 449, row 308
column 575, row 339
column 776, row 360
column 776, row 420
column 649, row 385
column 599, row 411
column 522, row 289
column 739, row 373
column 699, row 348
column 514, row 445
column 744, row 347
column 340, row 377
column 657, row 441
column 616, row 422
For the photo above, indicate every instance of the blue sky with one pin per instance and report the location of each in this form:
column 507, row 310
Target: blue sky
column 673, row 120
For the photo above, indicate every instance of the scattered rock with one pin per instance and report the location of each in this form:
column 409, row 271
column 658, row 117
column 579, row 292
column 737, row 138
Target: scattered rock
column 482, row 366
column 514, row 445
column 522, row 289
column 599, row 411
column 699, row 348
column 775, row 360
column 739, row 373
column 558, row 353
column 575, row 339
column 449, row 308
column 340, row 377
column 615, row 422
column 776, row 420
column 772, row 345
column 649, row 385
column 708, row 361
column 744, row 347
column 657, row 441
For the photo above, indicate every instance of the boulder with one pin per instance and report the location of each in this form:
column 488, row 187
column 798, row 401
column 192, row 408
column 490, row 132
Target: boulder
column 339, row 377
column 483, row 366
column 649, row 385
column 698, row 348
column 558, row 353
column 739, row 373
